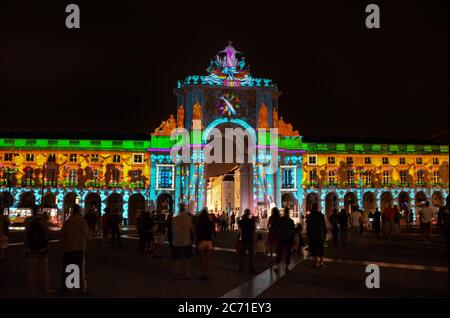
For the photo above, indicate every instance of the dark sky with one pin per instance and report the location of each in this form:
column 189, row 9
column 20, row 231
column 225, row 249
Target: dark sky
column 117, row 72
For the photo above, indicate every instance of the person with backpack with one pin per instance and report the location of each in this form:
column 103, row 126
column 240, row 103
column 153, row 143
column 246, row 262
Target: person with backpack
column 74, row 236
column 36, row 251
column 4, row 232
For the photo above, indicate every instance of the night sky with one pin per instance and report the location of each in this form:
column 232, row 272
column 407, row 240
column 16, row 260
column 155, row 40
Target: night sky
column 117, row 73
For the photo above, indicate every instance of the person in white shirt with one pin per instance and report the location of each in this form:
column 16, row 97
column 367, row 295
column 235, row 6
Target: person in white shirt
column 426, row 215
column 355, row 219
column 182, row 240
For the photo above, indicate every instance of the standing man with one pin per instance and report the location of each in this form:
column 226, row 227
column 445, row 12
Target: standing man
column 426, row 215
column 316, row 230
column 334, row 221
column 74, row 236
column 389, row 219
column 377, row 221
column 247, row 228
column 36, row 246
column 355, row 219
column 182, row 240
column 286, row 238
column 232, row 220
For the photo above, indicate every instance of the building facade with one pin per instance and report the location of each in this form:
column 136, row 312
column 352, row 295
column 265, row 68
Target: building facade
column 132, row 175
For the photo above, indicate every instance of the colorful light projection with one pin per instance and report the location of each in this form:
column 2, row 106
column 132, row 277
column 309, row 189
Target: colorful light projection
column 227, row 70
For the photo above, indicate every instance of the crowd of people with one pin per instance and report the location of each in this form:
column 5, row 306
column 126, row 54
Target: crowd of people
column 188, row 235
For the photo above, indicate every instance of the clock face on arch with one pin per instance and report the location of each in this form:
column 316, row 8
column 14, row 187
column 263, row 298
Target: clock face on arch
column 230, row 103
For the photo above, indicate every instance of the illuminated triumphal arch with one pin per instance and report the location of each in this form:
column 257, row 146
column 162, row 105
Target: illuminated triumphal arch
column 228, row 96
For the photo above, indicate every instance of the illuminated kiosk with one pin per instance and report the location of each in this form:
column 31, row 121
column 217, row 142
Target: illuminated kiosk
column 228, row 97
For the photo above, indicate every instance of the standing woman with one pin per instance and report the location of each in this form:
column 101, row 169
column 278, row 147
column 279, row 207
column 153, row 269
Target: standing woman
column 204, row 233
column 274, row 231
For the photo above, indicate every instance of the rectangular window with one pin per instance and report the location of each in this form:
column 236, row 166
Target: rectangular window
column 51, row 158
column 385, row 160
column 331, row 177
column 136, row 175
column 420, row 177
column 8, row 156
column 403, row 177
column 313, row 176
column 386, row 178
column 288, row 178
column 115, row 175
column 419, row 161
column 436, row 178
column 367, row 178
column 29, row 157
column 94, row 157
column 368, row 160
column 72, row 176
column 28, row 176
column 435, row 161
column 331, row 160
column 402, row 160
column 166, row 177
column 73, row 157
column 51, row 175
column 350, row 177
column 94, row 175
column 138, row 158
column 116, row 159
column 349, row 160
column 312, row 160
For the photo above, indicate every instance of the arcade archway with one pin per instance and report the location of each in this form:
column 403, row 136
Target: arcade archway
column 92, row 202
column 164, row 203
column 311, row 198
column 27, row 200
column 437, row 199
column 404, row 202
column 136, row 205
column 230, row 183
column 331, row 203
column 7, row 199
column 350, row 199
column 369, row 203
column 70, row 199
column 49, row 201
column 115, row 203
column 386, row 200
column 420, row 198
